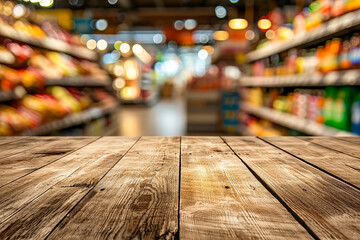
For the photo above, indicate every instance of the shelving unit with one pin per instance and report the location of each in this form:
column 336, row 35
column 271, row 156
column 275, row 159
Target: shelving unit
column 332, row 28
column 292, row 121
column 72, row 120
column 97, row 120
column 49, row 43
column 82, row 81
column 336, row 78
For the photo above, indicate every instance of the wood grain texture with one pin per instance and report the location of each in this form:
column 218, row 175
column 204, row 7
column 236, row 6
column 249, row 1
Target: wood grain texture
column 15, row 166
column 4, row 140
column 341, row 165
column 221, row 199
column 137, row 199
column 329, row 207
column 39, row 217
column 18, row 194
column 355, row 140
column 346, row 147
column 22, row 144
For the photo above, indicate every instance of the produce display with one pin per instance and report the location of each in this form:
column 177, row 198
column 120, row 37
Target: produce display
column 337, row 107
column 31, row 60
column 17, row 18
column 54, row 103
column 32, row 66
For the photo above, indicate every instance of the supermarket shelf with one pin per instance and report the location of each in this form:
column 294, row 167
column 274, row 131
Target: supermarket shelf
column 18, row 93
column 334, row 27
column 71, row 120
column 83, row 81
column 244, row 131
column 49, row 43
column 293, row 122
column 337, row 78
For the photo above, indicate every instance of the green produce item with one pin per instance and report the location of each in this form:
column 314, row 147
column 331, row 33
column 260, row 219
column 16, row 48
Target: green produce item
column 330, row 94
column 342, row 108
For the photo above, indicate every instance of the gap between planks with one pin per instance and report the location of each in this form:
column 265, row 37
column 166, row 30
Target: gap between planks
column 341, row 166
column 66, row 192
column 327, row 205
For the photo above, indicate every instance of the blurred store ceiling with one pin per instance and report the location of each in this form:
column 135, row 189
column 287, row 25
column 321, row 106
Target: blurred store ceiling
column 159, row 13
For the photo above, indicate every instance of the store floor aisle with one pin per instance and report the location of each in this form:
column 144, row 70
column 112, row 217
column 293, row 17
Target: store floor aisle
column 166, row 118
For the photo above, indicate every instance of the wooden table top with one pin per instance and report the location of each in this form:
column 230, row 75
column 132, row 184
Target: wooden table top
column 180, row 187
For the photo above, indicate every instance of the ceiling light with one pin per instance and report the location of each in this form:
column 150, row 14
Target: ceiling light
column 101, row 44
column 112, row 1
column 220, row 11
column 264, row 24
column 221, row 35
column 190, row 24
column 124, row 48
column 137, row 49
column 178, row 25
column 91, row 44
column 203, row 54
column 238, row 23
column 158, row 38
column 101, row 24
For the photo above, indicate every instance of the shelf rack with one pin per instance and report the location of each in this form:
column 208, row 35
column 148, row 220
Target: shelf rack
column 336, row 78
column 71, row 120
column 292, row 121
column 49, row 43
column 79, row 81
column 332, row 28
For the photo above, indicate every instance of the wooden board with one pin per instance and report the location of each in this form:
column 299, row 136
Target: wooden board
column 346, row 147
column 330, row 208
column 18, row 194
column 15, row 166
column 355, row 140
column 22, row 144
column 338, row 164
column 137, row 199
column 4, row 140
column 221, row 199
column 38, row 218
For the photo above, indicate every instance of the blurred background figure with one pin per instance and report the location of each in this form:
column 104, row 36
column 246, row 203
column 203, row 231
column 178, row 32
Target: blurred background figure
column 179, row 67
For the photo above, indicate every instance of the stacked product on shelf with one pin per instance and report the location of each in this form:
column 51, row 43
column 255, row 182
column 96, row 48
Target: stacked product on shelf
column 35, row 79
column 320, row 54
column 337, row 107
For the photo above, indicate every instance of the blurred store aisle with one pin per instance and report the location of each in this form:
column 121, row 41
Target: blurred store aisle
column 166, row 118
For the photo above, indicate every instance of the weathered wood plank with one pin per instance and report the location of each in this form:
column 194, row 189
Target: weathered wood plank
column 336, row 163
column 4, row 140
column 22, row 144
column 328, row 206
column 137, row 199
column 355, row 140
column 346, row 147
column 16, row 195
column 40, row 216
column 23, row 163
column 221, row 199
